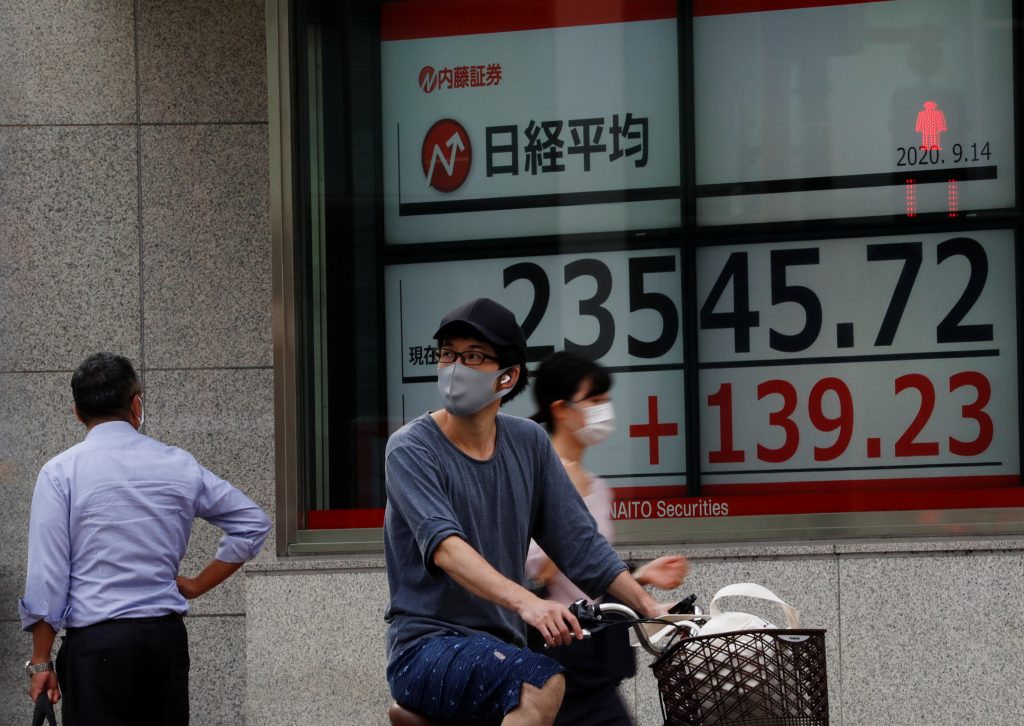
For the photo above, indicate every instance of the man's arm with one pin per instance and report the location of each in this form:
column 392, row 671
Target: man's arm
column 567, row 531
column 43, row 608
column 245, row 525
column 471, row 571
column 212, row 575
column 43, row 635
column 48, row 577
column 626, row 589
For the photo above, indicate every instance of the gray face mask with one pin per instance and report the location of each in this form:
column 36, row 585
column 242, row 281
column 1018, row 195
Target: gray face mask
column 466, row 390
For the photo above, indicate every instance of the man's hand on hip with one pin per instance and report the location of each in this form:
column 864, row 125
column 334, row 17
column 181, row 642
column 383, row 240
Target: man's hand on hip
column 212, row 575
column 188, row 587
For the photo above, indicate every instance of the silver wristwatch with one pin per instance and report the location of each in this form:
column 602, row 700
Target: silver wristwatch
column 33, row 668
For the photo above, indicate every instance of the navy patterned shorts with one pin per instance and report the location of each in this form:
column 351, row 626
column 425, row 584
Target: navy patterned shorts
column 466, row 678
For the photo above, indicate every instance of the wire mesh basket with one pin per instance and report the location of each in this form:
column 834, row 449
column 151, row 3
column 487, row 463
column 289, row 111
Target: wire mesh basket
column 745, row 678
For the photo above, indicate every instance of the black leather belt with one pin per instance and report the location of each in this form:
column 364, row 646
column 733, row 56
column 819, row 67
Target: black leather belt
column 140, row 621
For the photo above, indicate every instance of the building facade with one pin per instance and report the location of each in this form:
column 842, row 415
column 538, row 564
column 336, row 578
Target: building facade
column 220, row 191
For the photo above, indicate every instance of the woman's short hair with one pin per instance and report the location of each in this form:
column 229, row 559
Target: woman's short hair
column 560, row 376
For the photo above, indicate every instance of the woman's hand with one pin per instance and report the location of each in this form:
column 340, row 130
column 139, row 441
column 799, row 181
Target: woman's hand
column 664, row 573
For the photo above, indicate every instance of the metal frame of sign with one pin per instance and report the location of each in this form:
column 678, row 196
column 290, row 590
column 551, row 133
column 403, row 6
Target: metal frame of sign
column 687, row 240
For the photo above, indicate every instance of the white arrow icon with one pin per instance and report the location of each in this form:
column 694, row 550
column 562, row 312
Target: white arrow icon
column 456, row 145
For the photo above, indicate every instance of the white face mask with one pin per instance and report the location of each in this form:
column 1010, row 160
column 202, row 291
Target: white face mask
column 466, row 390
column 598, row 424
column 142, row 413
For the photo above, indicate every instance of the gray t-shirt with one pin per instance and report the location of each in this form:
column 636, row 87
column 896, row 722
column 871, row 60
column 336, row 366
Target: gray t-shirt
column 435, row 491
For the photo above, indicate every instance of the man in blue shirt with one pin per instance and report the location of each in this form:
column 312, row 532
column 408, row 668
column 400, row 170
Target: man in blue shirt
column 110, row 523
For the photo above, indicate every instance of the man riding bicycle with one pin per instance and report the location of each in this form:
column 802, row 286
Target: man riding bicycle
column 467, row 489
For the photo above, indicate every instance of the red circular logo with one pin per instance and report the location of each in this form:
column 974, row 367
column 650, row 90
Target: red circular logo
column 446, row 155
column 429, row 79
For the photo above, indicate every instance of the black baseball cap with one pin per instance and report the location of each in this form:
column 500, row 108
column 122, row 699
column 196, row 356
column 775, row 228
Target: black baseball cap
column 495, row 323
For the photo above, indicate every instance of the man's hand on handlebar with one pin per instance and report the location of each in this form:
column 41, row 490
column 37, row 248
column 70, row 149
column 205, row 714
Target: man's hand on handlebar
column 552, row 620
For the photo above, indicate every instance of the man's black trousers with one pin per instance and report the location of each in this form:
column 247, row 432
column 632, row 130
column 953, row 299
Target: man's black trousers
column 125, row 672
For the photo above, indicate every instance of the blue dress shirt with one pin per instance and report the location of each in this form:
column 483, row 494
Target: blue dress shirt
column 111, row 519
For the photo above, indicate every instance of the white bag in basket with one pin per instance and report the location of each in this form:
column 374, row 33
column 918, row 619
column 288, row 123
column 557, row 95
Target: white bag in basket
column 747, row 649
column 732, row 621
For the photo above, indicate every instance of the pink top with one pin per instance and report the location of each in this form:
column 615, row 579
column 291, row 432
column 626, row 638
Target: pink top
column 560, row 588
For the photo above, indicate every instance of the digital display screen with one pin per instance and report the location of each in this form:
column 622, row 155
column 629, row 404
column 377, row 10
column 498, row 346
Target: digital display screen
column 513, row 119
column 825, row 110
column 858, row 374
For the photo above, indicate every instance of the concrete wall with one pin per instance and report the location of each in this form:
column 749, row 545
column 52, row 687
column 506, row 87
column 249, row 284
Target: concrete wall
column 134, row 217
column 918, row 632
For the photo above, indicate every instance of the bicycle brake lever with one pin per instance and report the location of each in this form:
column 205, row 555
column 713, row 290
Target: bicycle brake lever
column 582, row 609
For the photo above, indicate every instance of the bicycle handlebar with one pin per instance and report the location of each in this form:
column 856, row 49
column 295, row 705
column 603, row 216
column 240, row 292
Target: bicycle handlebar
column 594, row 615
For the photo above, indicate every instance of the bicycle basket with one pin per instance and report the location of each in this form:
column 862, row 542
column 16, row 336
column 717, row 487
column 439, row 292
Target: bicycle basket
column 745, row 678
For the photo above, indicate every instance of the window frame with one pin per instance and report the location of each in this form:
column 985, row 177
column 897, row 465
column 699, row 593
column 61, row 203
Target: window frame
column 291, row 436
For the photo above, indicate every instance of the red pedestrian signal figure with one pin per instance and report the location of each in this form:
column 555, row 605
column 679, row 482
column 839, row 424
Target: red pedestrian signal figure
column 930, row 123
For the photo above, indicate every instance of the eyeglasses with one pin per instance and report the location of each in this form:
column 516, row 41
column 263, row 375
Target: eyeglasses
column 468, row 357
